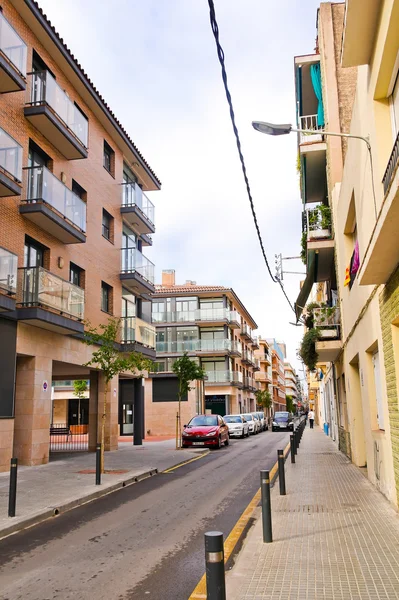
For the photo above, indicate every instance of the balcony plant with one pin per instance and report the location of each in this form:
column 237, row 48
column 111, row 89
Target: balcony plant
column 186, row 370
column 110, row 361
column 307, row 350
column 304, row 247
column 289, row 404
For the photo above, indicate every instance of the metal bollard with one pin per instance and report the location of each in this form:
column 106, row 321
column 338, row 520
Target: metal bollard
column 281, row 472
column 295, row 443
column 266, row 507
column 214, row 566
column 12, row 497
column 98, row 464
column 292, row 442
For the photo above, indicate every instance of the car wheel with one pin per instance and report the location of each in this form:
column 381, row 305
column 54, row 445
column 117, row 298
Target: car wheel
column 219, row 443
column 243, row 434
column 226, row 443
column 248, row 433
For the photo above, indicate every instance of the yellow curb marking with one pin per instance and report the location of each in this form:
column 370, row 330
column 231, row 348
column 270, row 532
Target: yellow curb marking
column 190, row 460
column 235, row 534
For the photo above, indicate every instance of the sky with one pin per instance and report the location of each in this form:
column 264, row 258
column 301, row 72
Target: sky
column 155, row 63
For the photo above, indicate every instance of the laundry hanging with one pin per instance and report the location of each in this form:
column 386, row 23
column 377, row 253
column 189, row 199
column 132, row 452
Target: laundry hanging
column 315, row 75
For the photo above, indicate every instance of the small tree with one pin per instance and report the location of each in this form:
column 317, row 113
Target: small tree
column 110, row 361
column 187, row 371
column 289, row 404
column 263, row 398
column 79, row 390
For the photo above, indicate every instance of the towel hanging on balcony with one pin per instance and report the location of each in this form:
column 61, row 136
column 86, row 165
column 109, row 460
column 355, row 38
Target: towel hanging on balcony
column 315, row 75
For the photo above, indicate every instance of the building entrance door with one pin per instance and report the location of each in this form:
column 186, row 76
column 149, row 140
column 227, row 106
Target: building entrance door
column 216, row 404
column 127, row 419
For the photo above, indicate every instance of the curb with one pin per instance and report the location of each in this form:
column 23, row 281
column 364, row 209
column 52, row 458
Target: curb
column 198, row 453
column 54, row 511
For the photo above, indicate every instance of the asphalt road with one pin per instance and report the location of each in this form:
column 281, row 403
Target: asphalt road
column 144, row 541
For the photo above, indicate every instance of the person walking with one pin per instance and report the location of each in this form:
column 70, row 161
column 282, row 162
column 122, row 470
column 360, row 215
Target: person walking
column 311, row 418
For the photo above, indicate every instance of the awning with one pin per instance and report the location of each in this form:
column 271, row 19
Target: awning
column 307, row 284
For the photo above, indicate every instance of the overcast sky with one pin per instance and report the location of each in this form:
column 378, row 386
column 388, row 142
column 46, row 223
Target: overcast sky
column 155, row 63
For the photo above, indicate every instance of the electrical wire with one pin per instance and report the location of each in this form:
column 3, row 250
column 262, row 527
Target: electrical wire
column 221, row 56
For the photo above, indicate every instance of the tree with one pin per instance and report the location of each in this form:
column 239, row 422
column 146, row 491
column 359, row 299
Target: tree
column 79, row 390
column 263, row 398
column 187, row 371
column 289, row 404
column 110, row 361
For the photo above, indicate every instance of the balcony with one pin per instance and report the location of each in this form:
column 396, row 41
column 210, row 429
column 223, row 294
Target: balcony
column 10, row 165
column 250, row 384
column 255, row 342
column 265, row 358
column 203, row 347
column 247, row 357
column 13, row 52
column 137, row 272
column 146, row 239
column 56, row 117
column 246, row 332
column 49, row 302
column 8, row 279
column 263, row 376
column 54, row 207
column 256, row 364
column 327, row 321
column 320, row 241
column 137, row 209
column 137, row 336
column 310, row 123
column 382, row 254
column 216, row 378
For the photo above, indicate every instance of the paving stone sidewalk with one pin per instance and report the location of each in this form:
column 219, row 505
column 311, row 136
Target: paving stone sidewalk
column 42, row 489
column 335, row 536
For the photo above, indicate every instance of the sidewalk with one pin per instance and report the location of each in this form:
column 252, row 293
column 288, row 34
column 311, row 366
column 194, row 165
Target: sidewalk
column 69, row 480
column 335, row 536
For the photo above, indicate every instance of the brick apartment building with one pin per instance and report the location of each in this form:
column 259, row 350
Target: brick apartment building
column 265, row 375
column 74, row 221
column 278, row 373
column 212, row 325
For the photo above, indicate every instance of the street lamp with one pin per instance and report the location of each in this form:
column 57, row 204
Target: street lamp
column 283, row 129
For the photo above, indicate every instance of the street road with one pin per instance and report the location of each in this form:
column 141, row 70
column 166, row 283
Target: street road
column 144, row 541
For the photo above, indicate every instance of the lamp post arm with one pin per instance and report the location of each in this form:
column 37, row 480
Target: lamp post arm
column 322, row 132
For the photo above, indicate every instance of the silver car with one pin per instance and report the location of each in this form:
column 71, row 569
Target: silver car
column 252, row 422
column 238, row 426
column 261, row 416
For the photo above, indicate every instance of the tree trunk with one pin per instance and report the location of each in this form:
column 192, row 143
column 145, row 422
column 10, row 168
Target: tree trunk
column 179, row 420
column 103, row 426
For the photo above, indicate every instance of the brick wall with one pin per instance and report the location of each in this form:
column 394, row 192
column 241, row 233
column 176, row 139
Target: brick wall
column 389, row 313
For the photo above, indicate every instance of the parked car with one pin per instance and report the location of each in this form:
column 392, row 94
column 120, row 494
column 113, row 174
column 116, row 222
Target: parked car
column 263, row 421
column 252, row 423
column 206, row 430
column 237, row 425
column 283, row 420
column 257, row 421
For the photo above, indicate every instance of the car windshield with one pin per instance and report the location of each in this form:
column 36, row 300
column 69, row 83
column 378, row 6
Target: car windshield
column 231, row 419
column 249, row 417
column 281, row 416
column 201, row 421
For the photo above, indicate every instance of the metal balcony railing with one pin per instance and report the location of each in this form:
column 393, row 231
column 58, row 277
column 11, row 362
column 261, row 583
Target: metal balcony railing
column 10, row 155
column 318, row 222
column 328, row 321
column 309, row 122
column 43, row 186
column 134, row 261
column 39, row 287
column 391, row 166
column 12, row 46
column 45, row 90
column 133, row 195
column 8, row 271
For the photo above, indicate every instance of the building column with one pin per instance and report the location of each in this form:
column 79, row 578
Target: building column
column 32, row 410
column 6, row 443
column 111, row 420
column 93, row 411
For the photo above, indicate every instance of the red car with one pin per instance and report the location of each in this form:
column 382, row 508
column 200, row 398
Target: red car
column 206, row 430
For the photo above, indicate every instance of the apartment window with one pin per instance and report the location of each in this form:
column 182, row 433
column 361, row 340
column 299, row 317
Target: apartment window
column 212, row 333
column 78, row 190
column 128, row 304
column 211, row 303
column 213, row 364
column 185, row 304
column 108, row 226
column 109, row 159
column 395, row 107
column 33, row 253
column 76, row 275
column 106, row 297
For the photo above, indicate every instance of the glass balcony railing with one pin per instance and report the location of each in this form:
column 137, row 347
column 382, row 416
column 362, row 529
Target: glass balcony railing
column 134, row 329
column 134, row 261
column 182, row 316
column 246, row 330
column 223, row 377
column 200, row 314
column 39, row 287
column 42, row 185
column 12, row 46
column 10, row 155
column 133, row 195
column 216, row 345
column 45, row 89
column 8, row 271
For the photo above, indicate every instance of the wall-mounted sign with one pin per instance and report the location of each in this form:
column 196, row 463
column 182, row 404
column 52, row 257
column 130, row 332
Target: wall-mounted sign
column 45, row 386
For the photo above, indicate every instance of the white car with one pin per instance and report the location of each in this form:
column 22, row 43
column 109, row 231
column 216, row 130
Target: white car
column 238, row 427
column 252, row 422
column 261, row 416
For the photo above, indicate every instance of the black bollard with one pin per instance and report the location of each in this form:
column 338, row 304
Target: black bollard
column 12, row 498
column 98, row 464
column 295, row 443
column 292, row 443
column 214, row 566
column 266, row 507
column 281, row 472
